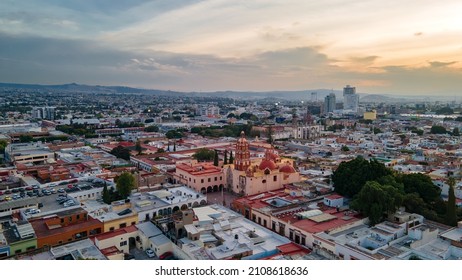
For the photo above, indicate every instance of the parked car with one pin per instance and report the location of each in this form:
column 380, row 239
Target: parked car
column 53, row 191
column 166, row 256
column 150, row 253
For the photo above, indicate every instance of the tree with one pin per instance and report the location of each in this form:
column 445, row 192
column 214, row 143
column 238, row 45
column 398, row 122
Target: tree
column 160, row 151
column 215, row 159
column 25, row 138
column 351, row 176
column 225, row 160
column 174, row 146
column 171, row 134
column 374, row 200
column 345, row 148
column 204, row 154
column 125, row 184
column 231, row 159
column 270, row 134
column 151, row 128
column 455, row 131
column 138, row 147
column 121, row 152
column 451, row 216
column 3, row 145
column 444, row 111
column 438, row 129
column 106, row 195
column 422, row 185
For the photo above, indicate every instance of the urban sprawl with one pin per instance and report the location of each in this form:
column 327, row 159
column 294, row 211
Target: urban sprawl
column 136, row 175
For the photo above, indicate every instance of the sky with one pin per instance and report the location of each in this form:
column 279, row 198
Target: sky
column 405, row 47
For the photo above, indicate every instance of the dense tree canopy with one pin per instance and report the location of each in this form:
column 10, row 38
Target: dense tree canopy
column 438, row 129
column 420, row 184
column 121, row 152
column 204, row 154
column 375, row 199
column 151, row 128
column 351, row 176
column 174, row 134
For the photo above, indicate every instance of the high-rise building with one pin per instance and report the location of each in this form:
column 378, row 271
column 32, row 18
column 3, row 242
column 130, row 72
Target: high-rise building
column 314, row 97
column 350, row 99
column 43, row 113
column 329, row 103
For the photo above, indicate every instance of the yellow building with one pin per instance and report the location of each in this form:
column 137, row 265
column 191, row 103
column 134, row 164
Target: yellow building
column 370, row 115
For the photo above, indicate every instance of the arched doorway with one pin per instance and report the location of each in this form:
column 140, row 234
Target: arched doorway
column 195, row 204
column 176, row 208
column 203, row 190
column 209, row 189
column 184, row 207
column 220, row 188
column 215, row 188
column 203, row 202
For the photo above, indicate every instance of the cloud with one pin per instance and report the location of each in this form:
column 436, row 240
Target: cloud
column 365, row 59
column 437, row 64
column 418, row 34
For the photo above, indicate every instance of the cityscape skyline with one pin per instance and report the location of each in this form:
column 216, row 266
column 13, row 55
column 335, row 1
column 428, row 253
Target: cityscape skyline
column 216, row 45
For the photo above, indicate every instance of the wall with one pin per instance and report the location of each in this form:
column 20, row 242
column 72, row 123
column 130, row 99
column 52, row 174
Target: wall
column 115, row 224
column 23, row 245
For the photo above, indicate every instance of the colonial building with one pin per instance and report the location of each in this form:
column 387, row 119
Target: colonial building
column 249, row 177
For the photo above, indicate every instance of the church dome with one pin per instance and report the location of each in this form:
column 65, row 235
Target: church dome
column 267, row 164
column 287, row 169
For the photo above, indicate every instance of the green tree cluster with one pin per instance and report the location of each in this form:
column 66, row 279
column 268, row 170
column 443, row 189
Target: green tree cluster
column 121, row 152
column 174, row 134
column 351, row 176
column 152, row 128
column 438, row 129
column 376, row 190
column 204, row 154
column 375, row 199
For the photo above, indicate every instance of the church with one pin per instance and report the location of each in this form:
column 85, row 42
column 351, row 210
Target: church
column 248, row 176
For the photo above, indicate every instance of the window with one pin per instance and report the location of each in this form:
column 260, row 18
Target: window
column 62, row 220
column 78, row 216
column 202, row 180
column 70, row 219
column 194, row 181
column 273, row 226
column 254, row 218
column 259, row 220
column 123, row 243
column 291, row 235
column 123, row 225
column 133, row 223
column 216, row 178
column 210, row 179
column 189, row 179
column 111, row 229
column 264, row 223
column 221, row 178
column 275, row 178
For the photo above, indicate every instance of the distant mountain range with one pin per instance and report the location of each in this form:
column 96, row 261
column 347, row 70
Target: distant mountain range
column 305, row 95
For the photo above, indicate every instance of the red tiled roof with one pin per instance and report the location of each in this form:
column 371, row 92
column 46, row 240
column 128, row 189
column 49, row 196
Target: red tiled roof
column 110, row 251
column 334, row 196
